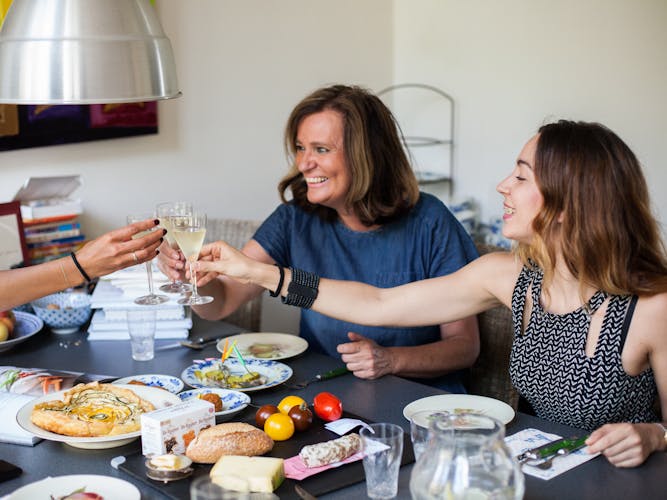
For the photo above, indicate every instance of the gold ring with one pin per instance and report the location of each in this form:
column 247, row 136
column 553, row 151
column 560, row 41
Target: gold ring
column 136, row 259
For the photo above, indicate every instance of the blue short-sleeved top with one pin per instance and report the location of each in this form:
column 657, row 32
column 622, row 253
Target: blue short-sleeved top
column 427, row 242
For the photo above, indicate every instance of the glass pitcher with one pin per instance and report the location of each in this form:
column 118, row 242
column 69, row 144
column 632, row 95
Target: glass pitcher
column 466, row 458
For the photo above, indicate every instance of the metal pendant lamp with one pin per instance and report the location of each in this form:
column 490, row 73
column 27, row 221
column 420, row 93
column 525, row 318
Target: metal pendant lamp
column 84, row 52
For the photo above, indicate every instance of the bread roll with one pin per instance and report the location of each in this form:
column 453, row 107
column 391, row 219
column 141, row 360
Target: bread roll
column 232, row 438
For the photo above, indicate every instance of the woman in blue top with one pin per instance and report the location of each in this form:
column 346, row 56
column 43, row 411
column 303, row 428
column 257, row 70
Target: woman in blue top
column 587, row 287
column 356, row 213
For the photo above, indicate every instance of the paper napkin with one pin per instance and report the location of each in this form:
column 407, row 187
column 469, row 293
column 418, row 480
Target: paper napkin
column 531, row 438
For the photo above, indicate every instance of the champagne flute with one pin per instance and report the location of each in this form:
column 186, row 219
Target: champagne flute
column 165, row 213
column 152, row 298
column 189, row 232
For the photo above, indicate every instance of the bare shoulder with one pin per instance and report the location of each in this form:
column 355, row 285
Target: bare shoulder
column 498, row 271
column 651, row 312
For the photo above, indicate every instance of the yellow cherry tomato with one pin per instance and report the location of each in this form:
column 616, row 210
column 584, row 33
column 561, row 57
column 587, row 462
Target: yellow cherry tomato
column 279, row 427
column 287, row 402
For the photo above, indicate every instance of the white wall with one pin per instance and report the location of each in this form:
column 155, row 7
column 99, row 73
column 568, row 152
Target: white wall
column 242, row 66
column 512, row 64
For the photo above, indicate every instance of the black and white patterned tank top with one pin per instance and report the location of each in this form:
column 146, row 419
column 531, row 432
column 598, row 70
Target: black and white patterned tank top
column 549, row 366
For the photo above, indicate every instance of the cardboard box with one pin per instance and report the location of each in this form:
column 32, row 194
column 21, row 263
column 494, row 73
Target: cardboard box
column 47, row 197
column 170, row 430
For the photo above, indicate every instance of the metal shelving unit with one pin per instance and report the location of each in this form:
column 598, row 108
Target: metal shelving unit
column 408, row 117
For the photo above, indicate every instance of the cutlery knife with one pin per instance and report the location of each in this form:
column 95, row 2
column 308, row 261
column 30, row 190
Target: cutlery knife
column 568, row 444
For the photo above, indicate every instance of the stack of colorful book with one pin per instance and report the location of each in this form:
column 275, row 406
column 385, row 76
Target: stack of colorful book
column 52, row 237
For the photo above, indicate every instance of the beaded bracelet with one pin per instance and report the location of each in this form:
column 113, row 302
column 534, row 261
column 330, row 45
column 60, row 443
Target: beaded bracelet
column 302, row 290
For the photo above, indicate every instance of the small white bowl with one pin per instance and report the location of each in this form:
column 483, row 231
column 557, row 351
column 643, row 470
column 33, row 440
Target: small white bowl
column 232, row 401
column 168, row 382
column 63, row 312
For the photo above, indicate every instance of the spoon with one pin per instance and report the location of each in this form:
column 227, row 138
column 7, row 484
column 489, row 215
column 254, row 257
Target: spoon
column 546, row 464
column 198, row 344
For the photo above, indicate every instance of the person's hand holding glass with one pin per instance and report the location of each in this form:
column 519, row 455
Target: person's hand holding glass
column 189, row 232
column 166, row 212
column 152, row 298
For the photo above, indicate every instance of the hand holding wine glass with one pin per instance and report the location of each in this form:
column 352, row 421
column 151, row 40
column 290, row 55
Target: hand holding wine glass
column 152, row 298
column 189, row 232
column 166, row 212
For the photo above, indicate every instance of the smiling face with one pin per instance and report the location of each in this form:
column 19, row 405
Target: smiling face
column 522, row 197
column 320, row 157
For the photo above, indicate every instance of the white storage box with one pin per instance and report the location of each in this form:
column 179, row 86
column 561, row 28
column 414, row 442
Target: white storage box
column 170, row 430
column 47, row 197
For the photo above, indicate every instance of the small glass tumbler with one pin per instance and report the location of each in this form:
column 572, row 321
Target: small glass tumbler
column 383, row 449
column 141, row 327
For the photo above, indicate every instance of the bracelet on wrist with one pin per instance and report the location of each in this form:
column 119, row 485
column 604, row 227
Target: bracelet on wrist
column 80, row 268
column 280, row 282
column 302, row 290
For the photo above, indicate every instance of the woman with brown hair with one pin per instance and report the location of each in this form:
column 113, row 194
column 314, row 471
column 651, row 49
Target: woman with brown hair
column 356, row 213
column 587, row 286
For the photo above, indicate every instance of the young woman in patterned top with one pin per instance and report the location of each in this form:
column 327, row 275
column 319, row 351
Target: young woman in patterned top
column 587, row 285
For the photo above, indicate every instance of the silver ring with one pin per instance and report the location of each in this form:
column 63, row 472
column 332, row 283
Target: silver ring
column 136, row 259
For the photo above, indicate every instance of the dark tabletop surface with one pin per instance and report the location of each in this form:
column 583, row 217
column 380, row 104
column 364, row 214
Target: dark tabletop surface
column 376, row 400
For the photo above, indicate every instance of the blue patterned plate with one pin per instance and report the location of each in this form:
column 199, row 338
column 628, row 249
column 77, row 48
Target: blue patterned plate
column 27, row 325
column 171, row 384
column 273, row 373
column 232, row 401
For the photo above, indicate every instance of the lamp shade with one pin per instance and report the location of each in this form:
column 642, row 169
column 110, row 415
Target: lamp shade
column 84, row 52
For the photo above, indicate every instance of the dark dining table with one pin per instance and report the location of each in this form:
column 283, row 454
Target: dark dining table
column 379, row 400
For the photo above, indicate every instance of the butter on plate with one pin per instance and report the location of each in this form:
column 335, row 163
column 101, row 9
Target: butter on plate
column 256, row 474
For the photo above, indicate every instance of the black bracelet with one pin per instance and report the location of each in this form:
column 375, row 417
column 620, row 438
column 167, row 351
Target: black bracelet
column 280, row 282
column 302, row 290
column 78, row 266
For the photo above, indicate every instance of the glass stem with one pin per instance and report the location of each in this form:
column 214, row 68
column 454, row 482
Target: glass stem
column 193, row 273
column 149, row 271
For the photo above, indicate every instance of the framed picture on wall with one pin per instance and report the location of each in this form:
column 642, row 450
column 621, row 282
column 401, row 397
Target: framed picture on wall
column 13, row 250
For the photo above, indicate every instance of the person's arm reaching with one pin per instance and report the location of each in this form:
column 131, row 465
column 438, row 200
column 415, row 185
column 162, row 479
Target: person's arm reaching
column 110, row 252
column 482, row 284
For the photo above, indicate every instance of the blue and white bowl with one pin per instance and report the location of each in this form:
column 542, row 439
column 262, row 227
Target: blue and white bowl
column 63, row 312
column 232, row 401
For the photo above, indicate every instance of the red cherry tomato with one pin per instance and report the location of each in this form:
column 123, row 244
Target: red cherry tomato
column 327, row 406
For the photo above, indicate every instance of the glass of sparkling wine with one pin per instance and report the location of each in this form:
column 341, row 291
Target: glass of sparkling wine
column 166, row 212
column 189, row 232
column 152, row 298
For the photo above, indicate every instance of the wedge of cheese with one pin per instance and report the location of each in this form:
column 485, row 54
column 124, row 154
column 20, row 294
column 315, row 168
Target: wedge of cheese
column 240, row 473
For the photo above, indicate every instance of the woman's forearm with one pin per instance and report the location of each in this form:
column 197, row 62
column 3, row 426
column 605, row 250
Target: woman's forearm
column 19, row 286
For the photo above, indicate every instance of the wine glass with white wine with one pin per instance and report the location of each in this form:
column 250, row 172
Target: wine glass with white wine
column 166, row 212
column 189, row 232
column 152, row 298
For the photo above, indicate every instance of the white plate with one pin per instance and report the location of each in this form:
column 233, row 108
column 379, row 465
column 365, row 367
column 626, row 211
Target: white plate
column 275, row 373
column 232, row 401
column 158, row 397
column 168, row 382
column 458, row 402
column 59, row 486
column 27, row 325
column 279, row 345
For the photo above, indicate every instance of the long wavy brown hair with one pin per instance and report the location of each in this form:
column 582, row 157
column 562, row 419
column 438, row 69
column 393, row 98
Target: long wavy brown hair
column 383, row 186
column 596, row 212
